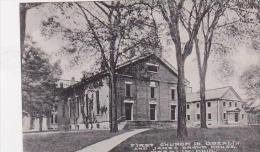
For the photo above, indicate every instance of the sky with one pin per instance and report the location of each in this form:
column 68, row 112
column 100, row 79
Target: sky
column 242, row 58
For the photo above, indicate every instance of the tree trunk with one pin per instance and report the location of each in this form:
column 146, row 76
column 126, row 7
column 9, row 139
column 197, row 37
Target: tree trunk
column 181, row 128
column 114, row 126
column 23, row 11
column 203, row 102
column 40, row 123
column 82, row 107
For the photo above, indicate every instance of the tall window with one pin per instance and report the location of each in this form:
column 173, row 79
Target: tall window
column 198, row 105
column 152, row 92
column 173, row 112
column 209, row 116
column 230, row 104
column 236, row 117
column 188, row 117
column 198, row 116
column 173, row 94
column 128, row 90
column 152, row 111
column 97, row 101
column 224, row 104
column 224, row 116
column 188, row 106
column 235, row 104
column 242, row 116
column 55, row 119
column 209, row 104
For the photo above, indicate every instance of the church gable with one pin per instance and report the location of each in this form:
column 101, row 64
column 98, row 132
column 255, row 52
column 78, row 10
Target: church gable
column 150, row 67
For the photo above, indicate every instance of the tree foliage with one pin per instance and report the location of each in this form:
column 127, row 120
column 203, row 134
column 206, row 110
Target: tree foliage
column 187, row 15
column 250, row 82
column 39, row 77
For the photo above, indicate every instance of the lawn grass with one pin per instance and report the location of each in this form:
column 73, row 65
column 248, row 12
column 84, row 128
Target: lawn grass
column 249, row 138
column 64, row 141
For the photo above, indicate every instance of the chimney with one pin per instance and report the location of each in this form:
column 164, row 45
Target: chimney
column 73, row 79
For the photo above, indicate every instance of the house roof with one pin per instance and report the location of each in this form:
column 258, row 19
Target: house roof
column 133, row 60
column 211, row 94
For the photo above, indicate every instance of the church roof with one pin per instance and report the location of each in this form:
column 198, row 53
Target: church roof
column 127, row 63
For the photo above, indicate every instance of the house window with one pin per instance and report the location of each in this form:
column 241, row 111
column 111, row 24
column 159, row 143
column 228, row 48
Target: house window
column 209, row 104
column 188, row 117
column 198, row 105
column 242, row 116
column 209, row 116
column 97, row 101
column 152, row 111
column 173, row 94
column 230, row 104
column 198, row 116
column 173, row 112
column 236, row 117
column 152, row 92
column 224, row 104
column 56, row 118
column 235, row 104
column 128, row 90
column 188, row 106
column 224, row 116
column 152, row 68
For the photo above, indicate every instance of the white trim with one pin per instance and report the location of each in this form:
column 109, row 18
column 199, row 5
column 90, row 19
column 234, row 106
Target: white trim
column 152, row 102
column 128, row 82
column 129, row 101
column 152, row 84
column 173, row 103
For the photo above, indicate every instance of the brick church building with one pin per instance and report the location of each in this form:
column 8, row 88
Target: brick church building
column 146, row 95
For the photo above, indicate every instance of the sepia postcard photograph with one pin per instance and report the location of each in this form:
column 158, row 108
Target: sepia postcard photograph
column 140, row 76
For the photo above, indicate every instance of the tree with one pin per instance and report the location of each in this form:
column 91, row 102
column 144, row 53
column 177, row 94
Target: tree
column 250, row 82
column 209, row 25
column 38, row 82
column 24, row 7
column 176, row 14
column 112, row 30
column 216, row 21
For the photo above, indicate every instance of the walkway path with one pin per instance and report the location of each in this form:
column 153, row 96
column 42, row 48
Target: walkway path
column 108, row 144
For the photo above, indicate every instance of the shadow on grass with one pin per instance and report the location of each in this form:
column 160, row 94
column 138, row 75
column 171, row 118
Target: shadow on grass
column 64, row 141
